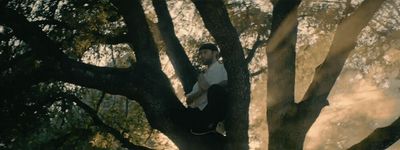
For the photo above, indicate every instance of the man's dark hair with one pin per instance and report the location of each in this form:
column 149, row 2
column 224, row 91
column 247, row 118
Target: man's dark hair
column 209, row 46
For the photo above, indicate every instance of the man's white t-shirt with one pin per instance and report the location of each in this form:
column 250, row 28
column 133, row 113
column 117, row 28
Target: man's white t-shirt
column 215, row 74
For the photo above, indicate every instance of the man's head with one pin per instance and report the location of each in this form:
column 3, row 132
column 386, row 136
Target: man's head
column 208, row 53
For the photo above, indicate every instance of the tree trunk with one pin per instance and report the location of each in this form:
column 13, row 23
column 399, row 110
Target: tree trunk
column 289, row 122
column 216, row 20
column 281, row 73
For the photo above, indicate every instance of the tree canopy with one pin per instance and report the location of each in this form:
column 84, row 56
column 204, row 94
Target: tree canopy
column 112, row 74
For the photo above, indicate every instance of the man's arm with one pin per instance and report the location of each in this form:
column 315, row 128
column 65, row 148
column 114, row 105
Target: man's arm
column 203, row 83
column 203, row 86
column 192, row 96
column 196, row 92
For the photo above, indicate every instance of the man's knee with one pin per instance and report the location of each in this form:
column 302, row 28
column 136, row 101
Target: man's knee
column 216, row 89
column 216, row 95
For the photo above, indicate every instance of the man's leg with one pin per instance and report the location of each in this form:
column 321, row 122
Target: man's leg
column 216, row 108
column 214, row 112
column 193, row 118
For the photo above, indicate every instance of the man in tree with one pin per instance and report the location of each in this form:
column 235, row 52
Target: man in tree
column 207, row 100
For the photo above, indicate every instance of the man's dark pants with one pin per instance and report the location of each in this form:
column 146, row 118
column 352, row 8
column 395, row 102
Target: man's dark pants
column 214, row 112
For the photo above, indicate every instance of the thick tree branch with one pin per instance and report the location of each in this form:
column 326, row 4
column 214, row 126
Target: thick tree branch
column 28, row 32
column 98, row 122
column 381, row 138
column 139, row 34
column 281, row 54
column 68, row 70
column 281, row 61
column 54, row 63
column 22, row 72
column 112, row 80
column 180, row 61
column 216, row 20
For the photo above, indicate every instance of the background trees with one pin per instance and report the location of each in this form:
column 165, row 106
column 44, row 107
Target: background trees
column 56, row 53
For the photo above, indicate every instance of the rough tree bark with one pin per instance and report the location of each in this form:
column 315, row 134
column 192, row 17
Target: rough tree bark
column 294, row 120
column 139, row 34
column 216, row 20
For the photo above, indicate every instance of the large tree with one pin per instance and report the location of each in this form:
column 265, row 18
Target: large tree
column 48, row 57
column 288, row 121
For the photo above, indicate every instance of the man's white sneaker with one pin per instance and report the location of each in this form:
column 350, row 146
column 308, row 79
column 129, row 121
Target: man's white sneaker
column 221, row 128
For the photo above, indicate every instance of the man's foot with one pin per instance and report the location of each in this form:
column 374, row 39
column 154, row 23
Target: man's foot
column 204, row 130
column 221, row 128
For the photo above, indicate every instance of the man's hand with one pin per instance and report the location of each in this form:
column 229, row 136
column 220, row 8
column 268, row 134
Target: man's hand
column 203, row 84
column 189, row 99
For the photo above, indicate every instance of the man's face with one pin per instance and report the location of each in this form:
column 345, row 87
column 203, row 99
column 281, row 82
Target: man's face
column 207, row 56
